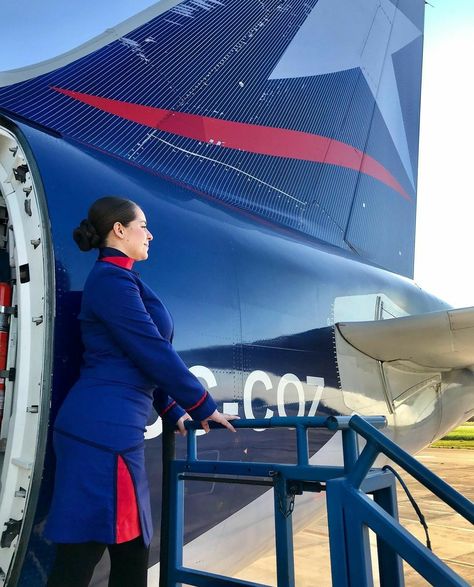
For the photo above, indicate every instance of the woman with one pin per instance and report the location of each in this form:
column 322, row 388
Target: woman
column 101, row 497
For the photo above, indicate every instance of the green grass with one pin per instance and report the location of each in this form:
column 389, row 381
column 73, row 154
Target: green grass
column 461, row 437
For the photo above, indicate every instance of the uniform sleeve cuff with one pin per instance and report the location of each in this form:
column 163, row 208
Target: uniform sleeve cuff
column 173, row 413
column 203, row 409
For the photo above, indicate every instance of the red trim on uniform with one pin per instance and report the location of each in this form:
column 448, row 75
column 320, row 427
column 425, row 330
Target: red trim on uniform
column 196, row 405
column 127, row 524
column 125, row 262
column 168, row 407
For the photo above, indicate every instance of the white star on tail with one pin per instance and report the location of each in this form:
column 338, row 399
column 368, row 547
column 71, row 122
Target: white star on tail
column 344, row 34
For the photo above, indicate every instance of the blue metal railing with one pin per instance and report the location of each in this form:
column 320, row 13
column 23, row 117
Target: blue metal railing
column 350, row 511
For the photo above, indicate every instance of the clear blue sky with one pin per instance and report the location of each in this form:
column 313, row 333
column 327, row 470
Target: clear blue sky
column 55, row 26
column 446, row 198
column 444, row 245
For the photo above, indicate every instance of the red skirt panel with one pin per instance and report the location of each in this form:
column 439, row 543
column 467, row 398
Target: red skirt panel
column 127, row 521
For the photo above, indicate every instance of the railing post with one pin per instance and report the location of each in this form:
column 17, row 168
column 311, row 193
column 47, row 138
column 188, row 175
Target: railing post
column 390, row 564
column 283, row 532
column 168, row 512
column 350, row 449
column 337, row 533
column 176, row 532
column 302, row 445
column 358, row 544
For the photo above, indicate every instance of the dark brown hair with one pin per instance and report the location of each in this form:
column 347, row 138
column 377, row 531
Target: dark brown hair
column 103, row 214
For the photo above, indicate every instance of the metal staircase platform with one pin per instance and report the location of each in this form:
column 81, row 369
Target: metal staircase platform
column 351, row 512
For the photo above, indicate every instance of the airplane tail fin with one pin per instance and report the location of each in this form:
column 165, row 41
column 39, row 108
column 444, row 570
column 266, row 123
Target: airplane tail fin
column 304, row 114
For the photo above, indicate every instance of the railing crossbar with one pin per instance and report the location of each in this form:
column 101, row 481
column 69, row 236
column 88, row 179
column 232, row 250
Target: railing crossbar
column 238, row 469
column 205, row 579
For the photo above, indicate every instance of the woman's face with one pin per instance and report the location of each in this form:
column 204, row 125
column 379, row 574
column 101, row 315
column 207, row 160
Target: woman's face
column 136, row 237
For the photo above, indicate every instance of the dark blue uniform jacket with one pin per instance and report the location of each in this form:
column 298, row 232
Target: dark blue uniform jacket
column 129, row 364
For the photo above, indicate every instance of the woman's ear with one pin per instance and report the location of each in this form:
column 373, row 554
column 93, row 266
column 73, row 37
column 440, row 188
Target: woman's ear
column 118, row 230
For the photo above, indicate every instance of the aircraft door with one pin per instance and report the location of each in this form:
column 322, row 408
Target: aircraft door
column 27, row 281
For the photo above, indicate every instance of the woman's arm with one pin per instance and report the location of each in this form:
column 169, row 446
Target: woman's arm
column 120, row 307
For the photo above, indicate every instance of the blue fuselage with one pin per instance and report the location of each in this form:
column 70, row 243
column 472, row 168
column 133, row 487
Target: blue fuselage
column 253, row 305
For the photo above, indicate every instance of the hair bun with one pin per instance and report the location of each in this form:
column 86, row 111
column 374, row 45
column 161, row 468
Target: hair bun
column 86, row 236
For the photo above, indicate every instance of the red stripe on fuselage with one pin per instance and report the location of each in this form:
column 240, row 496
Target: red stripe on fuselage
column 251, row 138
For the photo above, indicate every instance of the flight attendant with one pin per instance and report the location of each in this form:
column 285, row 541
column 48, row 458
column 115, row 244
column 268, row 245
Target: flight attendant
column 101, row 497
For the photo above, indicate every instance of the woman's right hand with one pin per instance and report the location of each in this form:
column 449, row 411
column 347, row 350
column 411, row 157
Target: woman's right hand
column 180, row 424
column 222, row 419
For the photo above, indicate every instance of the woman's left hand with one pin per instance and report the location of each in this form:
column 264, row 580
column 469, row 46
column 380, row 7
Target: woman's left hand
column 222, row 419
